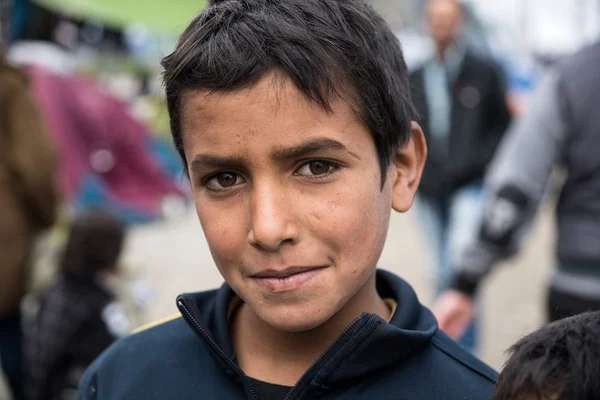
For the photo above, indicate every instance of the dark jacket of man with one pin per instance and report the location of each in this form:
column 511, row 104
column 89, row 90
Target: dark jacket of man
column 193, row 357
column 479, row 118
column 28, row 190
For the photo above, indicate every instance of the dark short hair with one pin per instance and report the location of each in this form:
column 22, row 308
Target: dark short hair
column 95, row 244
column 326, row 47
column 561, row 359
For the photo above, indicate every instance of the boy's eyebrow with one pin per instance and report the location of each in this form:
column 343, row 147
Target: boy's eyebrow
column 216, row 161
column 312, row 146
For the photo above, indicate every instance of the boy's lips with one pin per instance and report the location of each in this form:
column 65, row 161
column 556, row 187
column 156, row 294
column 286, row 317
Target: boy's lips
column 273, row 273
column 288, row 279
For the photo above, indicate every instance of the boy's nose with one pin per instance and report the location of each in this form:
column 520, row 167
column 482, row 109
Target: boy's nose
column 272, row 221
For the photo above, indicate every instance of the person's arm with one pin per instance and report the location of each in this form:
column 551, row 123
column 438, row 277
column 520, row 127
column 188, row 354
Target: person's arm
column 514, row 187
column 32, row 159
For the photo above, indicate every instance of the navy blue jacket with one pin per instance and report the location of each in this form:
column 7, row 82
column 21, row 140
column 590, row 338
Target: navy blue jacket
column 193, row 358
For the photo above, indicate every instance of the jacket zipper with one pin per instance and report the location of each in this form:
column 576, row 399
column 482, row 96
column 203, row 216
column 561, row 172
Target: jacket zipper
column 217, row 348
column 324, row 358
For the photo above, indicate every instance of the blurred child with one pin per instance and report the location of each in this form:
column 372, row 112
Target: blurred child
column 78, row 316
column 561, row 361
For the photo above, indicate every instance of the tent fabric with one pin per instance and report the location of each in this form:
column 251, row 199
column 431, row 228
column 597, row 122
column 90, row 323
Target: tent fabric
column 106, row 155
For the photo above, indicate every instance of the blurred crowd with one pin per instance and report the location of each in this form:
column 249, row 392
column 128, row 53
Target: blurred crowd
column 84, row 157
column 486, row 176
column 80, row 162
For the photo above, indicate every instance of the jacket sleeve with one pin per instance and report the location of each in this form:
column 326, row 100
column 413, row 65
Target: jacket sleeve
column 32, row 159
column 500, row 107
column 515, row 185
column 88, row 388
column 497, row 114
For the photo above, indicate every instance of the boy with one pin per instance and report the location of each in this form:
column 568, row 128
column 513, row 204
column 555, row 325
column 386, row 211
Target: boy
column 561, row 361
column 293, row 119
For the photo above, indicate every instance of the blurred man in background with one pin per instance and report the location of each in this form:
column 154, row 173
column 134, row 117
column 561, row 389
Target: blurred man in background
column 28, row 200
column 461, row 101
column 561, row 127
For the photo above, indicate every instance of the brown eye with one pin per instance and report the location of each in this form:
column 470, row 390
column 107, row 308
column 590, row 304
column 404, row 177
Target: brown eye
column 223, row 181
column 317, row 169
column 226, row 180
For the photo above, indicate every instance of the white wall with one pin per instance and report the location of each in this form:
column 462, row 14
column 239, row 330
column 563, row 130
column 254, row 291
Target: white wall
column 543, row 26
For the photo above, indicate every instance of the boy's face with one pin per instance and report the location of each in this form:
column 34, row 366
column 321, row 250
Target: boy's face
column 289, row 198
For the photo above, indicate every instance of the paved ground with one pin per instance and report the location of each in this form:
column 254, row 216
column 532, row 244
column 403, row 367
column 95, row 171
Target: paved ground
column 175, row 258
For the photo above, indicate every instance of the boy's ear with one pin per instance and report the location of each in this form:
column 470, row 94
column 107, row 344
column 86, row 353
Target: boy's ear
column 407, row 168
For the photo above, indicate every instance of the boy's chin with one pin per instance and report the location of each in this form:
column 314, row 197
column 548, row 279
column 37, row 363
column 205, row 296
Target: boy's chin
column 295, row 319
column 296, row 326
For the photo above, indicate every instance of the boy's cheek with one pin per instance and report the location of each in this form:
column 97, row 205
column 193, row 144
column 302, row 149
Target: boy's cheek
column 352, row 220
column 225, row 235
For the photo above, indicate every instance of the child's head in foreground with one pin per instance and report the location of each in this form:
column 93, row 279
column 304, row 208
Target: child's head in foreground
column 294, row 121
column 560, row 361
column 94, row 246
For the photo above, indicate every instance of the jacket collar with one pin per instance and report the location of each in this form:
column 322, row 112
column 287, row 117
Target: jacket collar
column 369, row 344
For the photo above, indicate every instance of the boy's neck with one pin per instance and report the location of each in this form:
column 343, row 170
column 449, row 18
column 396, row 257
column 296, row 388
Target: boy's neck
column 274, row 356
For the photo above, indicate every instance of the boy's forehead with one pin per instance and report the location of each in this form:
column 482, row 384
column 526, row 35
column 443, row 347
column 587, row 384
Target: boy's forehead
column 273, row 93
column 272, row 110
